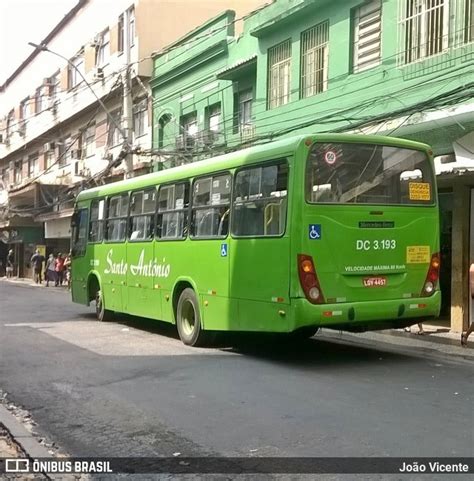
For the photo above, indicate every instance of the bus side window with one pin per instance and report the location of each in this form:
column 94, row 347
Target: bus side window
column 172, row 211
column 142, row 215
column 79, row 232
column 211, row 206
column 259, row 202
column 117, row 214
column 96, row 223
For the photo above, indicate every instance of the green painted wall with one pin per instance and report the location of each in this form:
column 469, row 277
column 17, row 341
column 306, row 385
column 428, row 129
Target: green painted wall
column 351, row 101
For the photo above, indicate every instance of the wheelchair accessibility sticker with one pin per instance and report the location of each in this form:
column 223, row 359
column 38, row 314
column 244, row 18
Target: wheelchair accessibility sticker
column 223, row 250
column 314, row 232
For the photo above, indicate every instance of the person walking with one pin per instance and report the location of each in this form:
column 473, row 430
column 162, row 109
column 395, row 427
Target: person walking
column 50, row 270
column 37, row 260
column 10, row 263
column 59, row 267
column 67, row 270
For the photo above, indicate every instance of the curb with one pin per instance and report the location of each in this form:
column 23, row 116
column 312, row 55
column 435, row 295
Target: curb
column 27, row 442
column 419, row 348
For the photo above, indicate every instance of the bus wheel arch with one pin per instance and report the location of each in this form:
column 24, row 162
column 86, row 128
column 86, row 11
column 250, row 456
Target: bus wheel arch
column 188, row 315
column 95, row 294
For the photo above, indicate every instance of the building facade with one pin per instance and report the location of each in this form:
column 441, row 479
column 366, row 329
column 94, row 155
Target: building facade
column 393, row 67
column 76, row 113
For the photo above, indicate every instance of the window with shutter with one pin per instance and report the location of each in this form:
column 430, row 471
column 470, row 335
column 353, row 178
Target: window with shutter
column 367, row 36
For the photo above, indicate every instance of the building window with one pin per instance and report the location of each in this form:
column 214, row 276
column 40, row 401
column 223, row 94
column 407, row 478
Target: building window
column 51, row 85
column 75, row 69
column 33, row 165
column 131, row 27
column 120, row 36
column 140, row 117
column 10, row 122
column 39, row 100
column 314, row 60
column 65, row 151
column 211, row 205
column 173, row 208
column 163, row 123
column 189, row 131
column 245, row 100
column 88, row 141
column 213, row 124
column 18, row 171
column 468, row 16
column 367, row 36
column 25, row 109
column 102, row 50
column 114, row 136
column 424, row 28
column 279, row 74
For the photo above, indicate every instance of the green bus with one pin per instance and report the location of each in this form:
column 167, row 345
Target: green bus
column 337, row 231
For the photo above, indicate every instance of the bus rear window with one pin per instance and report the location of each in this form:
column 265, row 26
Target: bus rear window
column 346, row 173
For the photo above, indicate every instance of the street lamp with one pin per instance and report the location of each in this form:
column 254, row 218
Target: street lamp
column 126, row 146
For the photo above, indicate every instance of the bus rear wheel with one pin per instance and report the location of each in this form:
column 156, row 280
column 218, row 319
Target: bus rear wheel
column 188, row 319
column 101, row 313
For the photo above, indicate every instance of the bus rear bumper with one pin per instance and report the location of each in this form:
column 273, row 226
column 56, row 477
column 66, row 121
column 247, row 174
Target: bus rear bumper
column 366, row 315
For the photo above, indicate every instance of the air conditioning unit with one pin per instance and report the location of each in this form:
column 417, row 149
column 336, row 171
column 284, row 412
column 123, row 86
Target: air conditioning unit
column 208, row 137
column 98, row 73
column 185, row 142
column 49, row 146
column 85, row 172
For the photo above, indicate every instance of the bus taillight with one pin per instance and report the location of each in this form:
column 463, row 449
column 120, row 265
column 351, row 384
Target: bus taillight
column 309, row 279
column 432, row 276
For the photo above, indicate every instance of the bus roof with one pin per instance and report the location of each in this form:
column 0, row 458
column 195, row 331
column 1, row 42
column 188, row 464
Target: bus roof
column 274, row 149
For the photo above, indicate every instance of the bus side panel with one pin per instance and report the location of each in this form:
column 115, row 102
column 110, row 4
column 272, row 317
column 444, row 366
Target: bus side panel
column 219, row 313
column 142, row 298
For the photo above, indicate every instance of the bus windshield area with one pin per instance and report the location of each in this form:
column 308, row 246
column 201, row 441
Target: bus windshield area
column 346, row 173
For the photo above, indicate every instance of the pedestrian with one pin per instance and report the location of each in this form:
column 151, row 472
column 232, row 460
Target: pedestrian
column 50, row 270
column 37, row 260
column 59, row 267
column 10, row 263
column 67, row 269
column 465, row 335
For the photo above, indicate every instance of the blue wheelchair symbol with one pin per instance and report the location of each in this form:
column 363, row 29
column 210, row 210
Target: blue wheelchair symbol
column 314, row 231
column 223, row 250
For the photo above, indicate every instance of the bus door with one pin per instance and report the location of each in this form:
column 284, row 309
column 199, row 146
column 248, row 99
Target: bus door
column 260, row 246
column 140, row 297
column 370, row 222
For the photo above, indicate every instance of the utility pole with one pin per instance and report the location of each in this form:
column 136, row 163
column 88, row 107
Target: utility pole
column 127, row 125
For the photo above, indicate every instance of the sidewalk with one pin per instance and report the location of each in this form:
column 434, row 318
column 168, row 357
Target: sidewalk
column 31, row 283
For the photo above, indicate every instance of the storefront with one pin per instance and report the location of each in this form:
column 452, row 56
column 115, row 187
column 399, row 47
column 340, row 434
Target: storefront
column 57, row 231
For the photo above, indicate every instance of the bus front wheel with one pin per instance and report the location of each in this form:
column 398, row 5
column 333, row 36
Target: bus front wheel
column 101, row 313
column 188, row 319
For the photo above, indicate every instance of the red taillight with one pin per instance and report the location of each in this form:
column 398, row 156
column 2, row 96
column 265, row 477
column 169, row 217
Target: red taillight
column 309, row 279
column 432, row 276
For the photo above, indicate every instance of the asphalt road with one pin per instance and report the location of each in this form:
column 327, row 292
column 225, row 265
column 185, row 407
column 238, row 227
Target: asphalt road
column 130, row 387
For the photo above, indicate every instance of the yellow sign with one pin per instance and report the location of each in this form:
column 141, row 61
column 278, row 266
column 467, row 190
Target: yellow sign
column 418, row 254
column 42, row 249
column 419, row 191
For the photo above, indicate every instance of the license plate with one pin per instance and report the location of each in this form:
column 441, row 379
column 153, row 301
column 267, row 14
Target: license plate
column 375, row 281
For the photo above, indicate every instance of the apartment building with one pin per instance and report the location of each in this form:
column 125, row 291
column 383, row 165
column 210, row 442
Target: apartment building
column 394, row 67
column 65, row 123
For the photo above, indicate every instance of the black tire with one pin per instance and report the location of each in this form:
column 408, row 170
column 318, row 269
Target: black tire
column 304, row 333
column 188, row 319
column 101, row 313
